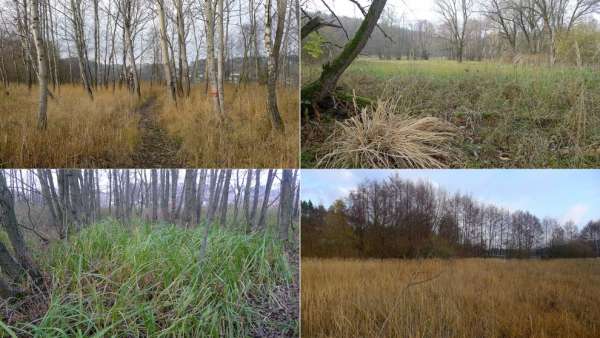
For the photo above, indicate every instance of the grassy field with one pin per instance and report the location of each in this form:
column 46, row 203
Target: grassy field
column 147, row 281
column 451, row 298
column 506, row 115
column 80, row 133
column 107, row 132
column 246, row 141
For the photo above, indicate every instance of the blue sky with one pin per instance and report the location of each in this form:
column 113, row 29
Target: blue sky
column 562, row 194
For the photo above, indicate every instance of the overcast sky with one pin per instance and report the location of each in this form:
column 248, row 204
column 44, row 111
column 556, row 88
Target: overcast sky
column 562, row 194
column 413, row 10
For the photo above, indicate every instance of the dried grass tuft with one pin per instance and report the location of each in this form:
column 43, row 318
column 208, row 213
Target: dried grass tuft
column 379, row 137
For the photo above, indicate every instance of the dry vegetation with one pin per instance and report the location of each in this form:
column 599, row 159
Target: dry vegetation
column 506, row 115
column 247, row 140
column 80, row 133
column 105, row 132
column 456, row 298
column 380, row 138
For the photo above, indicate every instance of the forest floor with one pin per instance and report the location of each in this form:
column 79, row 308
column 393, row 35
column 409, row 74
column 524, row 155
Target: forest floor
column 450, row 298
column 146, row 281
column 156, row 148
column 502, row 115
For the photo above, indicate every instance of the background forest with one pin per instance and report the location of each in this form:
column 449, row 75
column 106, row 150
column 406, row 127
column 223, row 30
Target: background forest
column 149, row 252
column 398, row 218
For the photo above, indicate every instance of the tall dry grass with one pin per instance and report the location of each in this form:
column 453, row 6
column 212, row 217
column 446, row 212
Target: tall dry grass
column 457, row 298
column 245, row 139
column 383, row 137
column 81, row 132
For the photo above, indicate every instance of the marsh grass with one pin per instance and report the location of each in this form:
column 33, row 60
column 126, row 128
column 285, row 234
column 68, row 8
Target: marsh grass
column 508, row 115
column 458, row 298
column 81, row 132
column 244, row 139
column 147, row 281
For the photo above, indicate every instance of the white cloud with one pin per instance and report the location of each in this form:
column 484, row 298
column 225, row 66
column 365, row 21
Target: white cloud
column 576, row 213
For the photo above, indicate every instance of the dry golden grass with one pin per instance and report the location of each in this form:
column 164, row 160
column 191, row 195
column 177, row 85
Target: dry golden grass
column 380, row 137
column 464, row 298
column 81, row 132
column 245, row 139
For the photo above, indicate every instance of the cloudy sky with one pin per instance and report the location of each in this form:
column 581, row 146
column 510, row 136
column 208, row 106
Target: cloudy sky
column 412, row 10
column 563, row 194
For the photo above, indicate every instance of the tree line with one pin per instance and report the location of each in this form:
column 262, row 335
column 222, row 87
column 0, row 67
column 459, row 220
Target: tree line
column 398, row 218
column 100, row 44
column 564, row 30
column 54, row 204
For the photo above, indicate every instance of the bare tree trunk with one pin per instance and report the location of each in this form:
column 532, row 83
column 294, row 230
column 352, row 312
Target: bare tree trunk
column 285, row 204
column 225, row 198
column 77, row 21
column 96, row 42
column 183, row 62
column 253, row 219
column 9, row 221
column 164, row 45
column 154, row 178
column 220, row 57
column 42, row 122
column 210, row 56
column 247, row 201
column 331, row 73
column 273, row 60
column 265, row 204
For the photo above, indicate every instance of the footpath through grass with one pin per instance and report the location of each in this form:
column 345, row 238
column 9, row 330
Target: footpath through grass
column 507, row 115
column 147, row 281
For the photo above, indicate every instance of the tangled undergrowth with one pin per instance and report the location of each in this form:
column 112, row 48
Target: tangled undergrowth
column 146, row 280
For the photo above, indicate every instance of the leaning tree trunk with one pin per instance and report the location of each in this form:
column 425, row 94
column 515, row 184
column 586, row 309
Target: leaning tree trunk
column 40, row 47
column 273, row 60
column 9, row 221
column 325, row 85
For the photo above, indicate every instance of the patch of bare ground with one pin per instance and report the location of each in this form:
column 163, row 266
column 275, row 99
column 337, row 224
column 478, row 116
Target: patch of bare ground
column 156, row 148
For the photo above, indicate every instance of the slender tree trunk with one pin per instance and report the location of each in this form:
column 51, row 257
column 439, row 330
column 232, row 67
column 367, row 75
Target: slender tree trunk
column 42, row 121
column 164, row 45
column 210, row 56
column 220, row 56
column 273, row 60
column 265, row 204
column 225, row 198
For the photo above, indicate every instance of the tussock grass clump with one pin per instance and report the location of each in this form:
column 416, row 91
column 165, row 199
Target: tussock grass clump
column 81, row 132
column 457, row 298
column 381, row 137
column 244, row 139
column 147, row 281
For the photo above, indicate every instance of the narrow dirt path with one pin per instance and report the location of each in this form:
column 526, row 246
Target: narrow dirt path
column 156, row 148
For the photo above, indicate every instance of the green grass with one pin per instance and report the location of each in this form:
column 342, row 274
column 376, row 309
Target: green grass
column 147, row 281
column 509, row 115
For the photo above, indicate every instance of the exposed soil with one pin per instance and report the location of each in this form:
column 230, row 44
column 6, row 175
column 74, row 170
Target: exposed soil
column 156, row 148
